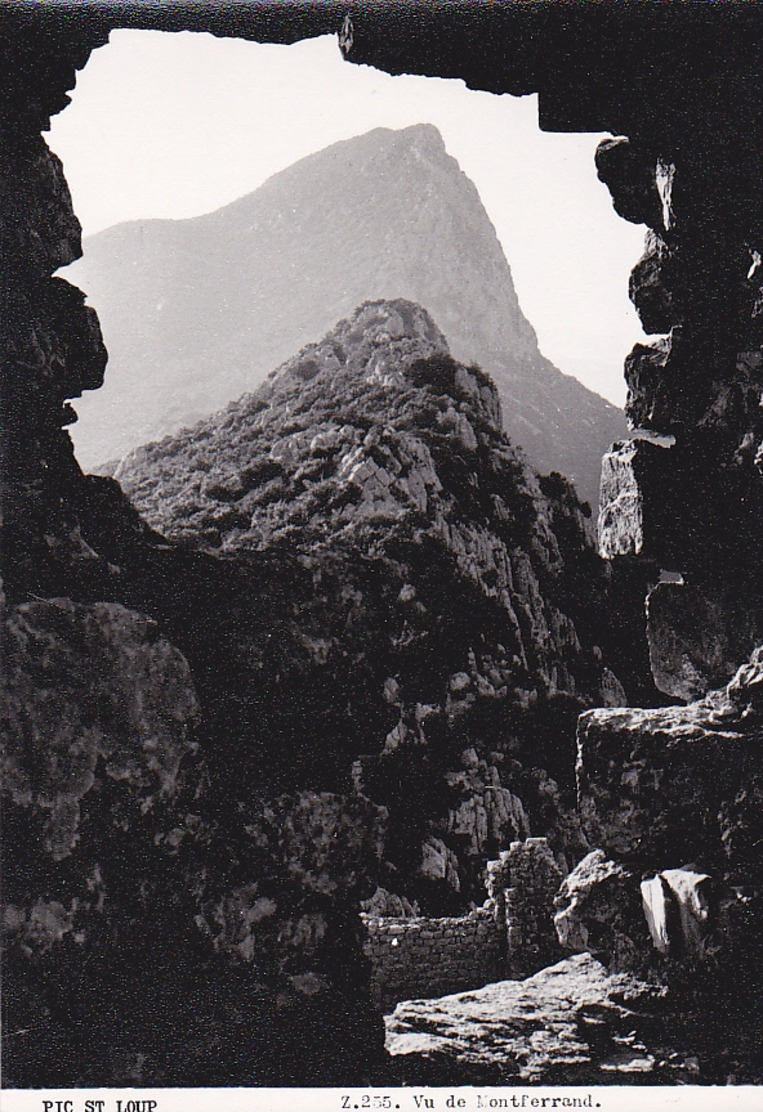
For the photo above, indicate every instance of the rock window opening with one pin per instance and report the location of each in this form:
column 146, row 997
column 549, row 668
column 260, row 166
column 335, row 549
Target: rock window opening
column 345, row 640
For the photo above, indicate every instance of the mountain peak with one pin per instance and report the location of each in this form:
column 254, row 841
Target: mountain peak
column 197, row 312
column 375, row 423
column 423, row 134
column 374, row 325
column 395, row 575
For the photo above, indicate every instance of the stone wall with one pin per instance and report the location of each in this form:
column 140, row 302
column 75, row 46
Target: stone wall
column 522, row 885
column 433, row 957
column 511, row 935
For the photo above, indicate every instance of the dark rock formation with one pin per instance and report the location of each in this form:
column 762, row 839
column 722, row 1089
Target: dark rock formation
column 696, row 639
column 89, row 689
column 51, row 351
column 197, row 311
column 161, row 926
column 599, row 911
column 154, row 932
column 688, row 493
column 674, row 796
column 420, row 588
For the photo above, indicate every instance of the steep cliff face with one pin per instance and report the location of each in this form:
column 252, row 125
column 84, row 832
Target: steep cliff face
column 51, row 351
column 687, row 488
column 158, row 927
column 197, row 311
column 672, row 795
column 427, row 607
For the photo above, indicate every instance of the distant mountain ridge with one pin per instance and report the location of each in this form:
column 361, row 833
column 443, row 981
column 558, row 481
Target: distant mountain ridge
column 195, row 312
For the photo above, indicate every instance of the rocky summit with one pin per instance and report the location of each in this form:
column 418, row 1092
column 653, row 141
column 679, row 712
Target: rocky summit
column 430, row 611
column 195, row 312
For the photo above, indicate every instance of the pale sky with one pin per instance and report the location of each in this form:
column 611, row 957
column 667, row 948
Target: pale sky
column 175, row 125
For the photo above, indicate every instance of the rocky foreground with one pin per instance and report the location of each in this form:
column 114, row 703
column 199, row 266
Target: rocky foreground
column 573, row 1023
column 347, row 650
column 668, row 904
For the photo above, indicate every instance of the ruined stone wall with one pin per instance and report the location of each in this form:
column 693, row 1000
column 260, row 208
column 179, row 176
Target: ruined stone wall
column 512, row 935
column 414, row 957
column 523, row 884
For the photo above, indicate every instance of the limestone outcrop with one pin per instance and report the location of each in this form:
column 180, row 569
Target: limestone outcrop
column 90, row 693
column 677, row 784
column 573, row 1023
column 673, row 798
column 599, row 912
column 686, row 896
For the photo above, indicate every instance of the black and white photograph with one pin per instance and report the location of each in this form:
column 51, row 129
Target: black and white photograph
column 381, row 488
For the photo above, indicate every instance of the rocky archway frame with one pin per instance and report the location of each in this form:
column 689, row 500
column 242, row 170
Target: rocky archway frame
column 680, row 86
column 680, row 89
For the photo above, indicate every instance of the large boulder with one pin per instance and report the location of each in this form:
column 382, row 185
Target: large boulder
column 599, row 912
column 574, row 1023
column 677, row 784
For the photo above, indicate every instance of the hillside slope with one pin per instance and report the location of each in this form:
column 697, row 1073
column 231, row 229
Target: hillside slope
column 429, row 613
column 195, row 312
